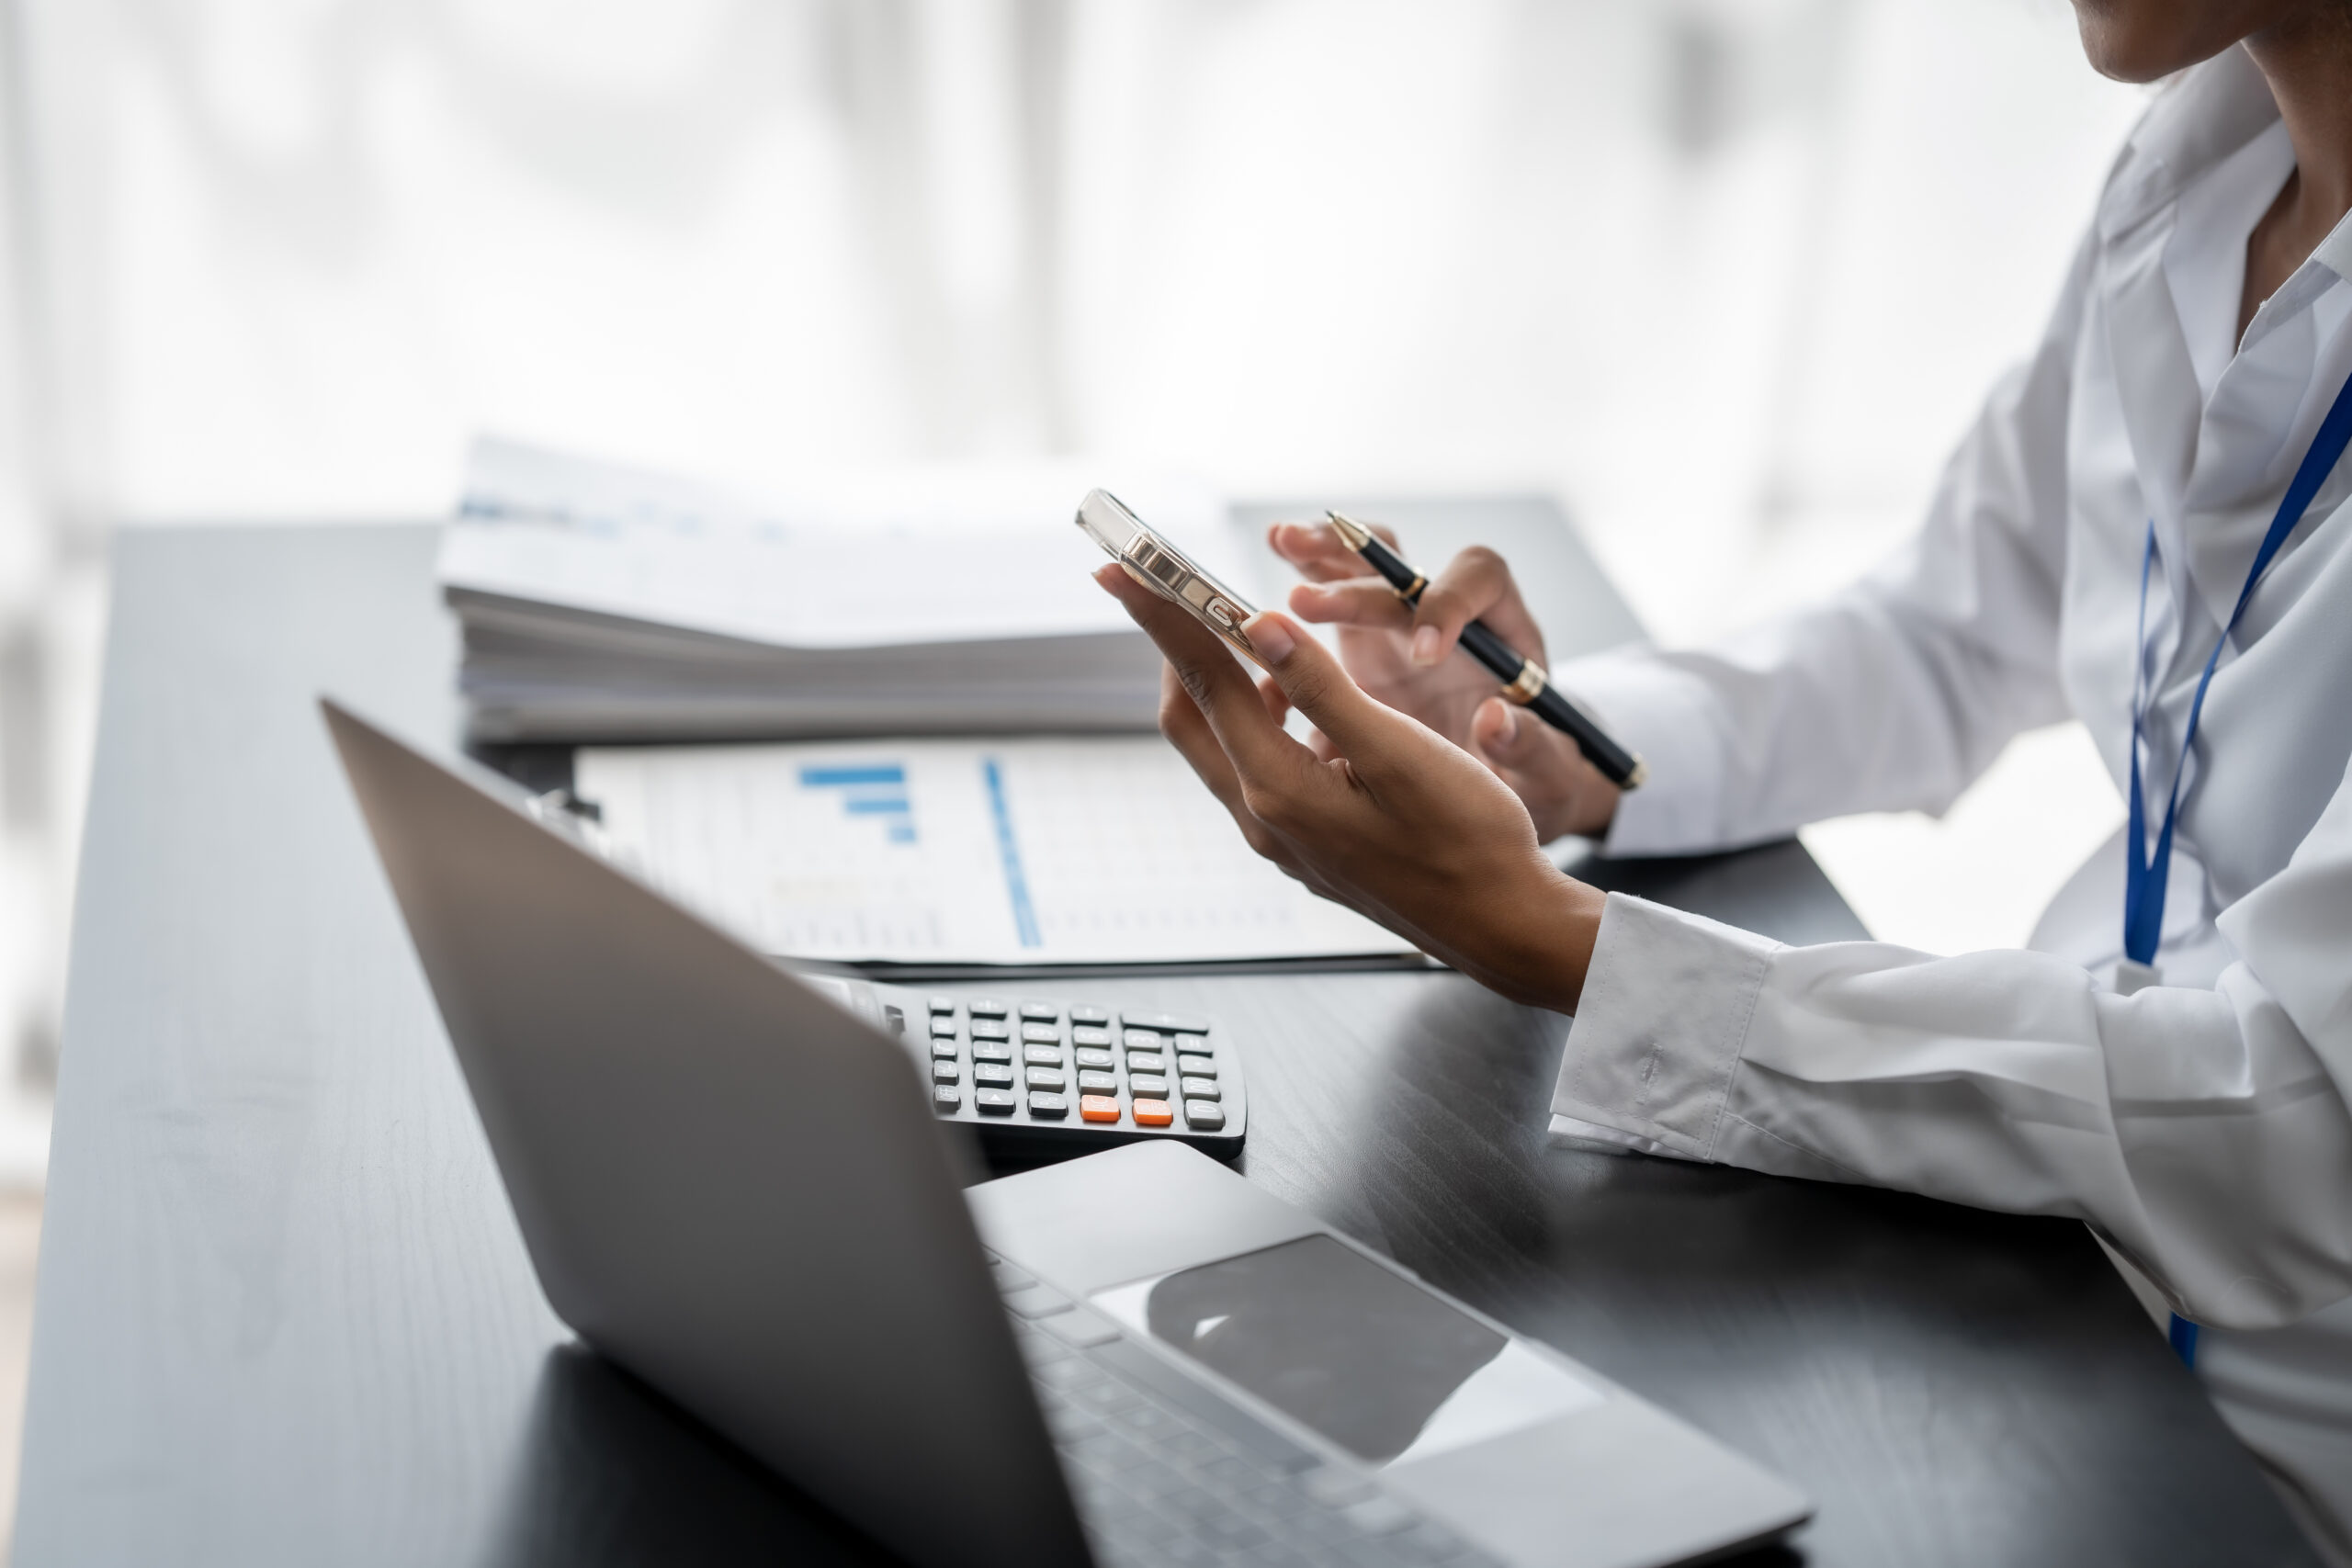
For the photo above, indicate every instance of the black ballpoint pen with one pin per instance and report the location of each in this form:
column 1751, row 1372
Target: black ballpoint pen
column 1523, row 680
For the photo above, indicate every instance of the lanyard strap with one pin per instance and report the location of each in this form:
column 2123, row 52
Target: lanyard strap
column 2144, row 875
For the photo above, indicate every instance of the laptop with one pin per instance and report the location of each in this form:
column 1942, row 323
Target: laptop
column 731, row 1182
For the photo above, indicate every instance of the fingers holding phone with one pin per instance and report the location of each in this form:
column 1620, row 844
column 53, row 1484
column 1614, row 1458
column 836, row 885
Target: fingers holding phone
column 1383, row 815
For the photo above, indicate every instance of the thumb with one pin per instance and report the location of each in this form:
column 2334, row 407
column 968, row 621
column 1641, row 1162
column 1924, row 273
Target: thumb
column 1316, row 684
column 1503, row 735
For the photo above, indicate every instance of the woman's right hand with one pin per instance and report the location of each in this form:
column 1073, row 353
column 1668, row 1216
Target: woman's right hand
column 1406, row 657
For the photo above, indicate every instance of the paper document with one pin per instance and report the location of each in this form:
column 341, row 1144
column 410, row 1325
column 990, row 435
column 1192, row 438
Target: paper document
column 938, row 556
column 960, row 851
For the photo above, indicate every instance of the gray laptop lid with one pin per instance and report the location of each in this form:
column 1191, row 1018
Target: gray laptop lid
column 726, row 1184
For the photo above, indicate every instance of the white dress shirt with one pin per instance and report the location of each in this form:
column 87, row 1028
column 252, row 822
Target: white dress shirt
column 2200, row 1126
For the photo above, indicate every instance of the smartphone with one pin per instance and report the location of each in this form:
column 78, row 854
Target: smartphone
column 1168, row 571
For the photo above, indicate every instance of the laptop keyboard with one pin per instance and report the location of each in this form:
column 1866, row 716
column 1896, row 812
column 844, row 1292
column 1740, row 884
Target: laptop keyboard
column 1166, row 1471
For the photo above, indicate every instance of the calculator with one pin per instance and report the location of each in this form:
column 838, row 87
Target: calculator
column 1037, row 1077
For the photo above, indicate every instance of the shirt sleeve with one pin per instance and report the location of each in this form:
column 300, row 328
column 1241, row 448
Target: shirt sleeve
column 1898, row 693
column 2204, row 1133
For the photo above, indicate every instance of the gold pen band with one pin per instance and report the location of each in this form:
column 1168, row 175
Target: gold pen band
column 1528, row 685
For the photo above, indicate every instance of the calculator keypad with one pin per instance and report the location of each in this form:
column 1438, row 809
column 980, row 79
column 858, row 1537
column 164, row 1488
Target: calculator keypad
column 1047, row 1063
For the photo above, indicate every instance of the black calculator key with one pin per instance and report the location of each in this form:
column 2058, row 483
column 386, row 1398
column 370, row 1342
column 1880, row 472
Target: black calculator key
column 1054, row 1107
column 1147, row 1062
column 1042, row 1056
column 1201, row 1089
column 1041, row 1032
column 991, row 1051
column 992, row 1073
column 1092, row 1058
column 943, row 1049
column 1089, row 1015
column 944, row 1072
column 1047, row 1077
column 985, row 1007
column 1148, row 1086
column 987, row 1028
column 1143, row 1040
column 1204, row 1115
column 1197, row 1067
column 1046, row 1011
column 1099, row 1083
column 946, row 1097
column 994, row 1101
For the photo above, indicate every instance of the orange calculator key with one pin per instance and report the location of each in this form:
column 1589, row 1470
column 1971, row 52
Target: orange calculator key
column 1098, row 1107
column 1153, row 1113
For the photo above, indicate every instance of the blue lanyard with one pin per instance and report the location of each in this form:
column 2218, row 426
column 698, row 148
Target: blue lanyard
column 2144, row 874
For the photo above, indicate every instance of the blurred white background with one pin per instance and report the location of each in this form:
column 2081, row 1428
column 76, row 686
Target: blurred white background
column 1727, row 275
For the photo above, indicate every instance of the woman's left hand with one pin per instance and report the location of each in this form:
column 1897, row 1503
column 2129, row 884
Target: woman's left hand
column 1398, row 824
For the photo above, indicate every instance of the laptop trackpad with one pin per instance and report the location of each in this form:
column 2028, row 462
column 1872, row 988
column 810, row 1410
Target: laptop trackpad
column 1381, row 1368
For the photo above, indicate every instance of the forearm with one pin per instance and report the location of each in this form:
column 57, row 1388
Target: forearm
column 2199, row 1131
column 1858, row 705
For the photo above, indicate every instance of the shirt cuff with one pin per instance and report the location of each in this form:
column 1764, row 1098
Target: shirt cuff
column 1659, row 1031
column 1593, row 1138
column 1666, row 717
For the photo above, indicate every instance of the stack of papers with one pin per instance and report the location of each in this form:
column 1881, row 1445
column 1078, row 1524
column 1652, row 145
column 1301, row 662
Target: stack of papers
column 605, row 603
column 947, row 853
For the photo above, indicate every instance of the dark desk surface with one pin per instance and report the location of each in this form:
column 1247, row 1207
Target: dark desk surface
column 285, row 1317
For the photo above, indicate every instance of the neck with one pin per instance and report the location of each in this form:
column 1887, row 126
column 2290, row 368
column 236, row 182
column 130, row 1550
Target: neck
column 2307, row 60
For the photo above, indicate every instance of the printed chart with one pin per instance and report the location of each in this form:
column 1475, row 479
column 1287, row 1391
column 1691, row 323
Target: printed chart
column 1104, row 851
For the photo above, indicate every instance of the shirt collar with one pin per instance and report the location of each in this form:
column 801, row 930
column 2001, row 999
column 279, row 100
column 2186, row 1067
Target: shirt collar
column 2202, row 115
column 2204, row 258
column 2335, row 252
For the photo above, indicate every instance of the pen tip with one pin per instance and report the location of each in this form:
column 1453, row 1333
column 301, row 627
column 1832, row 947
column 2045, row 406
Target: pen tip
column 1354, row 533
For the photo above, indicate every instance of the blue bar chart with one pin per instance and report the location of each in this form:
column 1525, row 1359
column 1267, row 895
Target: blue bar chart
column 877, row 790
